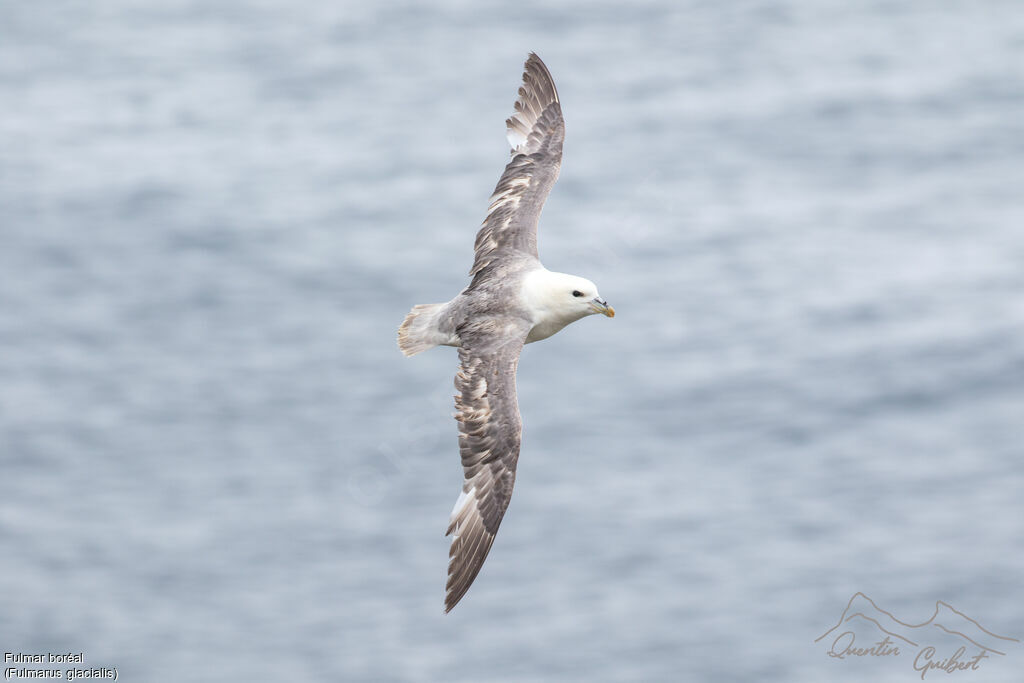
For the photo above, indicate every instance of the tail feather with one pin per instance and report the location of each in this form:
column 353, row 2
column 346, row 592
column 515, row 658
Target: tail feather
column 419, row 330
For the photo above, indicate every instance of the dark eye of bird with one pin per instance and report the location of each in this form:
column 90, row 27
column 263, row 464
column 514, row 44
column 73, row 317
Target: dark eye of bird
column 577, row 292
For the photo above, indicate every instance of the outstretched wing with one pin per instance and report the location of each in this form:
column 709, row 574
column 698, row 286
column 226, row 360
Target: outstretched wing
column 535, row 132
column 489, row 433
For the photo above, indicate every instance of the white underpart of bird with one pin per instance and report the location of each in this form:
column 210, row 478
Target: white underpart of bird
column 512, row 300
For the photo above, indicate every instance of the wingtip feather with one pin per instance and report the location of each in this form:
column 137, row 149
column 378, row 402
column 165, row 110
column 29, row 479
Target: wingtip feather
column 536, row 94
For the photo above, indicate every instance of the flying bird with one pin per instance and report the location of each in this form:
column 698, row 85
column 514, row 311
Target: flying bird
column 512, row 300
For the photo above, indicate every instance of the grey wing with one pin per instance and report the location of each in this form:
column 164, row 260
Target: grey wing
column 535, row 132
column 489, row 434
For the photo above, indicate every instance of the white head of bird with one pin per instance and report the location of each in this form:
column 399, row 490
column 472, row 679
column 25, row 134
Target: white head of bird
column 557, row 299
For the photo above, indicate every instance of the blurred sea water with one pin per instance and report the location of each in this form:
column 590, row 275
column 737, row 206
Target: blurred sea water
column 216, row 465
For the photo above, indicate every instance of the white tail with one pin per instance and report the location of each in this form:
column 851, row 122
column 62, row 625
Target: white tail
column 419, row 330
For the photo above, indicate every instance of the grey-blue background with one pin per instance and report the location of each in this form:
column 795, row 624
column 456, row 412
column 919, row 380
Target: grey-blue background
column 216, row 465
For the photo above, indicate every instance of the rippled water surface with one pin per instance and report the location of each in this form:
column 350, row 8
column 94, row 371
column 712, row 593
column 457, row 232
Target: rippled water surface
column 217, row 466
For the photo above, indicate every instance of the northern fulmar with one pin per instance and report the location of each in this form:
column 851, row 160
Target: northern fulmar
column 512, row 300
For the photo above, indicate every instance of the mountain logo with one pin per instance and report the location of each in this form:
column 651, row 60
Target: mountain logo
column 948, row 641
